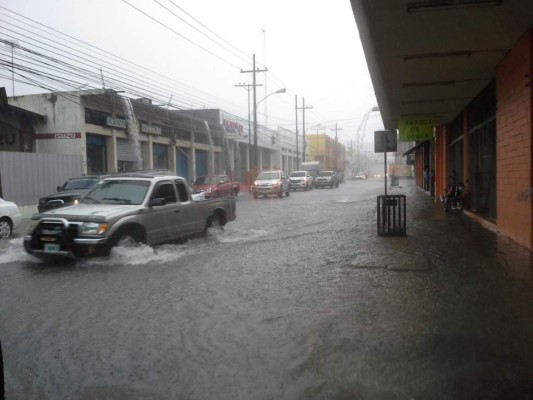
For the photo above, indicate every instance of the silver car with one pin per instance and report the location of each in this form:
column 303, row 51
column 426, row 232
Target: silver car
column 270, row 183
column 301, row 180
column 151, row 207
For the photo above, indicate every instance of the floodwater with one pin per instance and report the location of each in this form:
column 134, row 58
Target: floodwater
column 297, row 299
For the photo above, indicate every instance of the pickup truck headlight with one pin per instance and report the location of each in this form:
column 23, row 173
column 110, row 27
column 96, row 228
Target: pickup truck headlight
column 93, row 228
column 209, row 190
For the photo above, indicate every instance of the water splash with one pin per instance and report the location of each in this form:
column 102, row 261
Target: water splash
column 132, row 126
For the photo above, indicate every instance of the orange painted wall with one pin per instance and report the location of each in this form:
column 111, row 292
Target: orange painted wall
column 514, row 142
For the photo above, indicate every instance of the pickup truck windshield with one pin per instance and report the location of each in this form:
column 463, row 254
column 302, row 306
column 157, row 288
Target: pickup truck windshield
column 268, row 175
column 118, row 192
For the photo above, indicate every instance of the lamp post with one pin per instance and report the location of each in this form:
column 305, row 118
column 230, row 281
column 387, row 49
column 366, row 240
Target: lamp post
column 256, row 103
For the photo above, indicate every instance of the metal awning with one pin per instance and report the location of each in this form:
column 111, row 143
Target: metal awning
column 413, row 149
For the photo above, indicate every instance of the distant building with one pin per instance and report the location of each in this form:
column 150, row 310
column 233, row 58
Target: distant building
column 114, row 133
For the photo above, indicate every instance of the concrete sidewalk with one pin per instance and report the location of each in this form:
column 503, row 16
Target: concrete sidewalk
column 435, row 237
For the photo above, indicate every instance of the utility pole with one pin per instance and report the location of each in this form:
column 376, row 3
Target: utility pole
column 297, row 153
column 303, row 125
column 249, row 87
column 254, row 85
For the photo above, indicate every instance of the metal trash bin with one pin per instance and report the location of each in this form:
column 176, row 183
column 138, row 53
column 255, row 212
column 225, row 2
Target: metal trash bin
column 392, row 215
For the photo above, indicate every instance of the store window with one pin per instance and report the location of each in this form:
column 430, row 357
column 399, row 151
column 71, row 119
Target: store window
column 95, row 117
column 482, row 177
column 160, row 153
column 482, row 153
column 96, row 154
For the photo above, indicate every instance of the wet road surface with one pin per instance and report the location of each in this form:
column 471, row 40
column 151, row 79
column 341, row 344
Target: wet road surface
column 297, row 299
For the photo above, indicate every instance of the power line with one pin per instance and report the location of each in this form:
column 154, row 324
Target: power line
column 108, row 55
column 199, row 31
column 133, row 81
column 180, row 35
column 194, row 19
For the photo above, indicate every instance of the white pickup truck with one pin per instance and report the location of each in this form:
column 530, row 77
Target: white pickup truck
column 151, row 207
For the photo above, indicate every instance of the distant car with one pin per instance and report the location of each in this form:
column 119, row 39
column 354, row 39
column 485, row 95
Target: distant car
column 302, row 180
column 271, row 183
column 10, row 218
column 361, row 176
column 215, row 186
column 70, row 193
column 326, row 179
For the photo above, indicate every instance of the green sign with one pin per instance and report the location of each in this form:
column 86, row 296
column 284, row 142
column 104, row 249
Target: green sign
column 417, row 128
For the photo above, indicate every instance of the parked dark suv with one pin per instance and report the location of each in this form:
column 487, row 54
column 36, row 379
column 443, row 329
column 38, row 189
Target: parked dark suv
column 70, row 193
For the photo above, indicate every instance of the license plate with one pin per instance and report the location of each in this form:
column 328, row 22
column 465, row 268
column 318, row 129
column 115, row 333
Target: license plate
column 51, row 248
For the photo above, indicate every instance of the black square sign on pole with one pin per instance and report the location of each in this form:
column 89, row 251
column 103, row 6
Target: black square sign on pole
column 385, row 141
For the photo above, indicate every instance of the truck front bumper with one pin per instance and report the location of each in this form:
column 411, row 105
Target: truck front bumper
column 49, row 246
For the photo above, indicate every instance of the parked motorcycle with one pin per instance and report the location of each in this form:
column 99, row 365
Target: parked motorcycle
column 452, row 199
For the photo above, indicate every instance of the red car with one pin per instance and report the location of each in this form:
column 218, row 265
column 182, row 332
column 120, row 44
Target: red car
column 216, row 186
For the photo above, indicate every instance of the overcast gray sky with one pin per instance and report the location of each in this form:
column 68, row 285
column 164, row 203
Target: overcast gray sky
column 196, row 50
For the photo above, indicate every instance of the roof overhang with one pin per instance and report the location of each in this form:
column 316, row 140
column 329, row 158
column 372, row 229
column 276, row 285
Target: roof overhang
column 432, row 57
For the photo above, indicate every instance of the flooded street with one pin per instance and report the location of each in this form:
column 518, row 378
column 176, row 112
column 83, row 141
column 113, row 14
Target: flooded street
column 297, row 299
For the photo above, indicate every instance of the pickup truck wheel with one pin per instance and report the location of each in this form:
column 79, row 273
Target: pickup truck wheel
column 5, row 228
column 234, row 193
column 216, row 221
column 127, row 238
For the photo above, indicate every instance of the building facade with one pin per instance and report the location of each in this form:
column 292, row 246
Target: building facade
column 114, row 133
column 474, row 84
column 328, row 151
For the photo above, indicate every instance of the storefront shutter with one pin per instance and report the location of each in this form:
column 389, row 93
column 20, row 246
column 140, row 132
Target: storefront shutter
column 126, row 151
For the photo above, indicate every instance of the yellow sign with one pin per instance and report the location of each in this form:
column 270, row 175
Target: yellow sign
column 417, row 128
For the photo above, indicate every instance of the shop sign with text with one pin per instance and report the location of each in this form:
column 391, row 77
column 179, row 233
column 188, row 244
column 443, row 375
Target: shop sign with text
column 413, row 129
column 9, row 138
column 116, row 122
column 146, row 128
column 232, row 126
column 65, row 135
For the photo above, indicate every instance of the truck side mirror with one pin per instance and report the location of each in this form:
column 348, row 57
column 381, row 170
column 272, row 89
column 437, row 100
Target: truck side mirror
column 59, row 188
column 159, row 201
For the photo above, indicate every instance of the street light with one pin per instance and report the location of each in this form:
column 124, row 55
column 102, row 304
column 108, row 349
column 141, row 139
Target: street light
column 256, row 158
column 276, row 92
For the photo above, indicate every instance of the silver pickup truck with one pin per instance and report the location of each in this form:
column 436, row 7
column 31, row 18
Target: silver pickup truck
column 125, row 210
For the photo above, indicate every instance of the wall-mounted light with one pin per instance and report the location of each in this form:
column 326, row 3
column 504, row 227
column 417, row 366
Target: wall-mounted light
column 436, row 5
column 465, row 53
column 433, row 83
